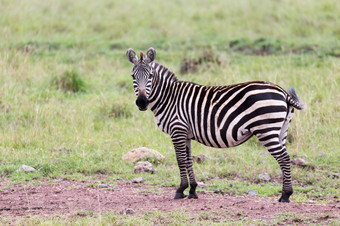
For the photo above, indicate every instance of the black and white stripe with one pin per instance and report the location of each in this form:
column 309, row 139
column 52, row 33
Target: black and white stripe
column 217, row 116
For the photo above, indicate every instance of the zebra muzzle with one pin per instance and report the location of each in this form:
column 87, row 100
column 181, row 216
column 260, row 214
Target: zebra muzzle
column 142, row 102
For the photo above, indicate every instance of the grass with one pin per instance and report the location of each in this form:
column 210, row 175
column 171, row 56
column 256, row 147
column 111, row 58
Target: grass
column 69, row 81
column 112, row 218
column 170, row 218
column 65, row 85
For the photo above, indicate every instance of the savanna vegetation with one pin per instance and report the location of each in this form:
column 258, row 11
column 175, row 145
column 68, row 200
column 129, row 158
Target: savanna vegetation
column 67, row 106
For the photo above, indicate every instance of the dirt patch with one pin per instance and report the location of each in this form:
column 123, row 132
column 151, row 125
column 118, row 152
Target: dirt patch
column 69, row 197
column 189, row 65
column 258, row 47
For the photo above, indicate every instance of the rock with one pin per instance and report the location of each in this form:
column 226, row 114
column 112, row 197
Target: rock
column 335, row 175
column 143, row 167
column 138, row 180
column 201, row 184
column 303, row 164
column 200, row 158
column 129, row 211
column 252, row 192
column 103, row 185
column 57, row 190
column 299, row 162
column 304, row 156
column 264, row 177
column 25, row 168
column 143, row 153
column 219, row 192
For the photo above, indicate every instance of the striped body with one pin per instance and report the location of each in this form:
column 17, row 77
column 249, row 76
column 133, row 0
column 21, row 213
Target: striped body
column 216, row 116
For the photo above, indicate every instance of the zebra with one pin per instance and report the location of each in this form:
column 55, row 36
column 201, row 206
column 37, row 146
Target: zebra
column 216, row 116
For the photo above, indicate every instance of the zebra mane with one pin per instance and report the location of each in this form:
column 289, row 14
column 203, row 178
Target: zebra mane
column 141, row 56
column 166, row 72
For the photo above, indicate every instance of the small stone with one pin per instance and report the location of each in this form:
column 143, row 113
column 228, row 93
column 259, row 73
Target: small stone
column 103, row 185
column 57, row 190
column 335, row 175
column 299, row 162
column 252, row 192
column 25, row 168
column 201, row 184
column 219, row 192
column 138, row 180
column 143, row 153
column 264, row 177
column 143, row 167
column 129, row 211
column 200, row 158
column 304, row 156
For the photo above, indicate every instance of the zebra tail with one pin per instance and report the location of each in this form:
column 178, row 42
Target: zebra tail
column 294, row 100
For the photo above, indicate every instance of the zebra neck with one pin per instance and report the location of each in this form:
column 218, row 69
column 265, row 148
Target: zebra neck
column 163, row 87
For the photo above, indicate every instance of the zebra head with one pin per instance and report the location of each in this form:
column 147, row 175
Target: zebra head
column 142, row 74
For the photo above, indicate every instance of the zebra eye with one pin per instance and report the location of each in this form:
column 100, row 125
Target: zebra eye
column 151, row 74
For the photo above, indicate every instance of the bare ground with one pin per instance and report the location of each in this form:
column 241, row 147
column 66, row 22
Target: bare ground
column 69, row 197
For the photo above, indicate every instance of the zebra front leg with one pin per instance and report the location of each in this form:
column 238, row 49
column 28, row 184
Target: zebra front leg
column 193, row 183
column 181, row 156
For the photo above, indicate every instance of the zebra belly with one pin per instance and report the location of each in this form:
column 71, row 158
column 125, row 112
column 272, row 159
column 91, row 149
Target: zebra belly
column 237, row 131
column 218, row 142
column 222, row 144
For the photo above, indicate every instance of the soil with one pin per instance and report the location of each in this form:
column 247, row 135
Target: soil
column 71, row 197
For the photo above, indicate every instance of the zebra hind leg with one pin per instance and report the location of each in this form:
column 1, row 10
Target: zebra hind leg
column 287, row 189
column 193, row 183
column 277, row 149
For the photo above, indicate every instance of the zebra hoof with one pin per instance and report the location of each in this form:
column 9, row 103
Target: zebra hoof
column 179, row 196
column 284, row 198
column 193, row 196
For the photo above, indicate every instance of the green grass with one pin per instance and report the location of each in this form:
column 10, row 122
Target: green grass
column 65, row 84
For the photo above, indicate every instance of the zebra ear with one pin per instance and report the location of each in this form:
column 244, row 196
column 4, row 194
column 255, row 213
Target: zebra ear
column 131, row 55
column 151, row 55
